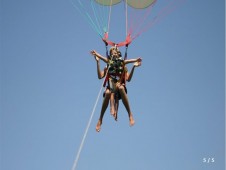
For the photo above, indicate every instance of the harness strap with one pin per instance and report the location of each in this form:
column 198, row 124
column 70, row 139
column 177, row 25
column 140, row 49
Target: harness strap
column 127, row 41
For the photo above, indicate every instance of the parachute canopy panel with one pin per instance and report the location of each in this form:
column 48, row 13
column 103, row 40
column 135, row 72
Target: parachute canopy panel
column 108, row 2
column 140, row 4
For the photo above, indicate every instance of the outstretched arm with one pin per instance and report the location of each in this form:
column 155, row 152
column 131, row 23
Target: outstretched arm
column 100, row 73
column 132, row 60
column 94, row 53
column 130, row 75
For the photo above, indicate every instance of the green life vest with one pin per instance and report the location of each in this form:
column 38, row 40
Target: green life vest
column 116, row 66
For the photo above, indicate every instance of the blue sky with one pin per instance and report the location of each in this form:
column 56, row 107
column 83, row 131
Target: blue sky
column 49, row 85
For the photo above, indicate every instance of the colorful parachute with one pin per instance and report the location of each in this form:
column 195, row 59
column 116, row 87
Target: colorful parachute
column 139, row 4
column 132, row 15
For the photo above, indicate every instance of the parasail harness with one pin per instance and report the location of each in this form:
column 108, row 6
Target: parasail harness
column 116, row 69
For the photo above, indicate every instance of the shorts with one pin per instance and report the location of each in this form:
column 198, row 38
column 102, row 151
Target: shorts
column 117, row 94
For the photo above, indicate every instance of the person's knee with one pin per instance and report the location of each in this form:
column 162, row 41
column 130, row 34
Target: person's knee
column 121, row 88
column 107, row 93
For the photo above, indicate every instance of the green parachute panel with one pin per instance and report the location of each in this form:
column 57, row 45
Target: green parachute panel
column 108, row 2
column 138, row 4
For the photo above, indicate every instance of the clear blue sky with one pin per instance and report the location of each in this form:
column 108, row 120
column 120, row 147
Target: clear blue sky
column 49, row 85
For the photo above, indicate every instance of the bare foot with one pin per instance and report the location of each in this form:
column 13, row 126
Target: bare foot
column 112, row 110
column 98, row 126
column 131, row 121
column 116, row 111
column 115, row 115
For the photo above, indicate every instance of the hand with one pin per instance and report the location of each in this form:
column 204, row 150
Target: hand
column 137, row 64
column 139, row 59
column 93, row 52
column 96, row 58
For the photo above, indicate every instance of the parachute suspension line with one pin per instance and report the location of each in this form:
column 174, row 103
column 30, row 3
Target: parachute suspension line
column 95, row 15
column 126, row 13
column 104, row 17
column 163, row 13
column 100, row 12
column 144, row 18
column 95, row 27
column 109, row 17
column 81, row 9
column 131, row 19
column 87, row 129
column 141, row 21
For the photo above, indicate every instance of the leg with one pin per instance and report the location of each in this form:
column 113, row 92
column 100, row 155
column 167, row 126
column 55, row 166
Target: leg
column 126, row 104
column 103, row 109
column 112, row 106
column 116, row 108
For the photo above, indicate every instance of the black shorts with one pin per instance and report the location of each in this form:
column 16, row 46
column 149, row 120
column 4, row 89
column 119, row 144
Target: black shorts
column 117, row 94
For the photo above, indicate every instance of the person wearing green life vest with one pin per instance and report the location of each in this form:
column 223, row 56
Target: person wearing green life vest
column 116, row 76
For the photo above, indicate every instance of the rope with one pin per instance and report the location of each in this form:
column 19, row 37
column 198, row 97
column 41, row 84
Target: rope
column 88, row 125
column 86, row 130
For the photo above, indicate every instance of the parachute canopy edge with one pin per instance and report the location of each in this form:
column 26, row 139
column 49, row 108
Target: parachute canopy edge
column 108, row 2
column 133, row 3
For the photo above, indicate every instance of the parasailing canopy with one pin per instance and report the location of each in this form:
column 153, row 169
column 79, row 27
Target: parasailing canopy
column 100, row 14
column 139, row 4
column 134, row 16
